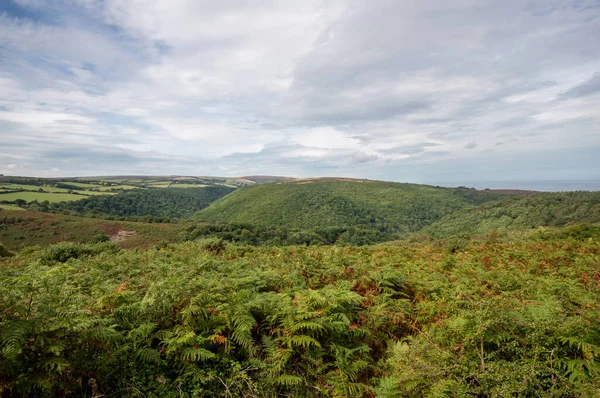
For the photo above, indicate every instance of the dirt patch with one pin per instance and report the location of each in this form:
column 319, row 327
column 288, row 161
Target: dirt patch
column 110, row 229
column 122, row 235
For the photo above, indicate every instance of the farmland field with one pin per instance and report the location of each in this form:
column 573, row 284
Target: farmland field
column 188, row 186
column 40, row 196
column 95, row 193
column 26, row 187
column 120, row 186
column 100, row 187
column 11, row 207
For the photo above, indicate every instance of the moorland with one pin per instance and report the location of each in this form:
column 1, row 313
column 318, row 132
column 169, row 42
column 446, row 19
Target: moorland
column 259, row 286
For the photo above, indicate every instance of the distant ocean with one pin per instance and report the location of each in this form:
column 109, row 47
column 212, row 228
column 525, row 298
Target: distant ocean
column 542, row 185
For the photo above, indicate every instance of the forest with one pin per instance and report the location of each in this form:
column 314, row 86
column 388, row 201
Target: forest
column 326, row 291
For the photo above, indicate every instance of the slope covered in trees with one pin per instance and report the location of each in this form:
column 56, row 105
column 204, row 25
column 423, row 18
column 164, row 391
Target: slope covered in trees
column 156, row 202
column 207, row 318
column 384, row 206
column 510, row 214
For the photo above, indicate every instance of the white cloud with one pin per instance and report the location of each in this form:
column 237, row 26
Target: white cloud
column 283, row 86
column 326, row 137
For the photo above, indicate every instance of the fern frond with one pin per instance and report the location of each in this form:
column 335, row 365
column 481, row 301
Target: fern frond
column 289, row 380
column 302, row 341
column 148, row 355
column 196, row 354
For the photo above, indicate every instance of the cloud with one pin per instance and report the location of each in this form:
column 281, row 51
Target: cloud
column 377, row 89
column 588, row 87
column 362, row 157
column 410, row 149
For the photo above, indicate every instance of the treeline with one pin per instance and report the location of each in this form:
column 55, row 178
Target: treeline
column 207, row 318
column 154, row 204
column 258, row 235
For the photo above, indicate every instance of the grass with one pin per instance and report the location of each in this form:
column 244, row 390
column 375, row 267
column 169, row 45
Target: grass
column 120, row 186
column 40, row 196
column 36, row 188
column 188, row 186
column 11, row 207
column 85, row 185
column 96, row 193
column 84, row 191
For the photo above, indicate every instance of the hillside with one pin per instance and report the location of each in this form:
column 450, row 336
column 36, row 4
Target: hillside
column 542, row 209
column 315, row 203
column 267, row 179
column 24, row 228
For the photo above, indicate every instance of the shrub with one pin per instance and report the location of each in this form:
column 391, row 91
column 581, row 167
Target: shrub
column 62, row 252
column 4, row 252
column 213, row 245
column 99, row 238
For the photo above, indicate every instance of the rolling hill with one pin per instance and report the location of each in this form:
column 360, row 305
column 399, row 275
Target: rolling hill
column 542, row 209
column 318, row 203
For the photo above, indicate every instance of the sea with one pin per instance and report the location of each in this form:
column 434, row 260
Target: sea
column 533, row 185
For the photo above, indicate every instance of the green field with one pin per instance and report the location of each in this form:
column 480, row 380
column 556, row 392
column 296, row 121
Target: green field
column 188, row 186
column 40, row 196
column 119, row 186
column 100, row 187
column 26, row 187
column 51, row 189
column 157, row 184
column 96, row 193
column 11, row 207
column 89, row 185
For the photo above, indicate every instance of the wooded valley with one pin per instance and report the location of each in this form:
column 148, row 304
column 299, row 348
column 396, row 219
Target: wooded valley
column 319, row 288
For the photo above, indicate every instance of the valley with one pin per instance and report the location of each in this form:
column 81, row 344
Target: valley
column 296, row 287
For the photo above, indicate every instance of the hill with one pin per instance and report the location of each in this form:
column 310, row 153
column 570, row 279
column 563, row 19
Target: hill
column 318, row 203
column 542, row 209
column 267, row 179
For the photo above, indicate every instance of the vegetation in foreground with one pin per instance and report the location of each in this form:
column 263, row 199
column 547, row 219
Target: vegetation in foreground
column 488, row 318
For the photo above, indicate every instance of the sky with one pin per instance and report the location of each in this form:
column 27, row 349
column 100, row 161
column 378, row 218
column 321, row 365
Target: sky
column 431, row 91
